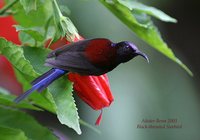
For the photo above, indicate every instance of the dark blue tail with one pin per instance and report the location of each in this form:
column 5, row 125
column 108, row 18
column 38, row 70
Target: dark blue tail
column 42, row 82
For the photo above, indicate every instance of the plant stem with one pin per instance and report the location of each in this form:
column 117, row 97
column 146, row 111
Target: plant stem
column 8, row 6
column 57, row 8
column 64, row 24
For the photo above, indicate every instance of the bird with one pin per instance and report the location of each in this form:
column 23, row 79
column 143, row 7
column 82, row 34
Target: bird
column 95, row 56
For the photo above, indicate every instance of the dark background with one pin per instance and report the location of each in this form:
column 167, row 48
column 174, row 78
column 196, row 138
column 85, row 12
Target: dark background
column 185, row 35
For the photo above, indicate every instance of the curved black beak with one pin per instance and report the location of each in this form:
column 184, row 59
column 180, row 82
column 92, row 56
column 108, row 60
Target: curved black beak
column 143, row 55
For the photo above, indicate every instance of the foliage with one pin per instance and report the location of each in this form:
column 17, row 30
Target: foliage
column 137, row 17
column 21, row 126
column 28, row 61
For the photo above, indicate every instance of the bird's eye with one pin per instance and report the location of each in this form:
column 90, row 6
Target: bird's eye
column 127, row 48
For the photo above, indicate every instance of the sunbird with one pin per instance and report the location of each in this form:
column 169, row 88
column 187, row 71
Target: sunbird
column 86, row 57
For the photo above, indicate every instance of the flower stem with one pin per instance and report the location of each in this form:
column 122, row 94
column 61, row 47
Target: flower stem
column 57, row 8
column 8, row 6
column 64, row 24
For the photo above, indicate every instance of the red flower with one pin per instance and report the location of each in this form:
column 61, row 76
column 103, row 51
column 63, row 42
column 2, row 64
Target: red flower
column 8, row 79
column 7, row 76
column 6, row 28
column 94, row 90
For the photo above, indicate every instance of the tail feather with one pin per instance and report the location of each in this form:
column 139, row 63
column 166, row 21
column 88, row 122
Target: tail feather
column 54, row 76
column 42, row 76
column 24, row 95
column 42, row 82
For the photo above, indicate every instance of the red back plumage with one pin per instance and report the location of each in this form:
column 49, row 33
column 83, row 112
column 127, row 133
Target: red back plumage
column 100, row 52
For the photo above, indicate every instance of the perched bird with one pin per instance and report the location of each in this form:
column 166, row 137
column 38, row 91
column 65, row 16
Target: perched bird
column 87, row 57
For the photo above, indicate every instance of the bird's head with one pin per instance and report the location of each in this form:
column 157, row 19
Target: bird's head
column 126, row 51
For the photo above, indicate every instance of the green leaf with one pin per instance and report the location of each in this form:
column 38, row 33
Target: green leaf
column 134, row 5
column 37, row 18
column 7, row 100
column 61, row 90
column 42, row 100
column 25, row 72
column 33, row 23
column 37, row 57
column 16, row 56
column 149, row 33
column 26, row 39
column 67, row 114
column 35, row 32
column 5, row 10
column 29, row 5
column 43, row 19
column 20, row 120
column 7, row 133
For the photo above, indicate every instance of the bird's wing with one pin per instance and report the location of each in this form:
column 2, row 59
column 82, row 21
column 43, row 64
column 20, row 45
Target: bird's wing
column 73, row 62
column 72, row 47
column 75, row 57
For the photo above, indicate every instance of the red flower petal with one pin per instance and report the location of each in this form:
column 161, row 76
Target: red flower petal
column 7, row 76
column 6, row 28
column 8, row 79
column 91, row 90
column 98, row 121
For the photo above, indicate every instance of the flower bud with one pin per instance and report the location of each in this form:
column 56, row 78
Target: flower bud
column 94, row 90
